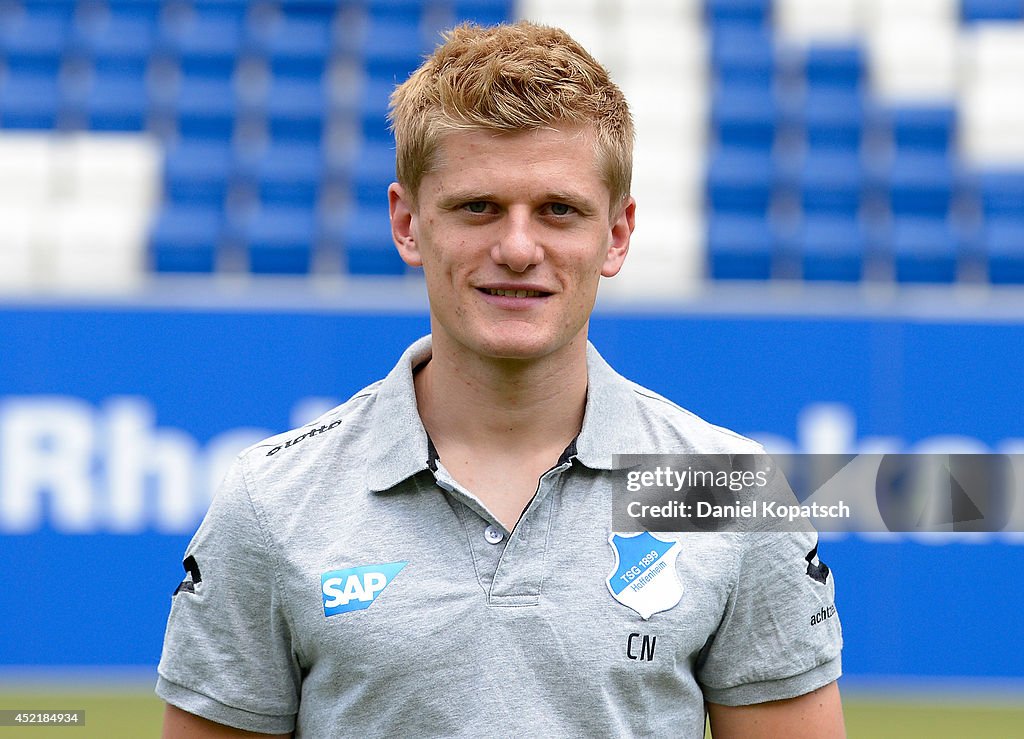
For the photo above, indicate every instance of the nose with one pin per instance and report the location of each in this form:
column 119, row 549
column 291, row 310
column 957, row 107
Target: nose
column 517, row 247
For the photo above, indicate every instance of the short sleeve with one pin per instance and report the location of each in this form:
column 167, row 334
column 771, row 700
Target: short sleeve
column 780, row 636
column 227, row 652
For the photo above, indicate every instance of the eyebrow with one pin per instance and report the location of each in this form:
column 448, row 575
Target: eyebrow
column 579, row 202
column 456, row 199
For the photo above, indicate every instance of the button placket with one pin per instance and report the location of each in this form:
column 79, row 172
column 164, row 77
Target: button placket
column 520, row 571
column 485, row 548
column 510, row 569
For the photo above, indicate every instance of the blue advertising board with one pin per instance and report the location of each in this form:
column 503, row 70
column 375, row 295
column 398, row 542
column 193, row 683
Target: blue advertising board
column 117, row 422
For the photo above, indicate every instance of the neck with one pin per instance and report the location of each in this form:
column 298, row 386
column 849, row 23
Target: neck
column 510, row 406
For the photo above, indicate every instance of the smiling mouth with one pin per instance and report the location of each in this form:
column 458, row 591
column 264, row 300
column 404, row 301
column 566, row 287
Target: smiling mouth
column 515, row 293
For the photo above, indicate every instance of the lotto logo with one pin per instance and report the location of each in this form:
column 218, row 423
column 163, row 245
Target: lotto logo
column 357, row 587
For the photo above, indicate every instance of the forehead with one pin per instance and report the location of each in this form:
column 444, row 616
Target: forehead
column 562, row 158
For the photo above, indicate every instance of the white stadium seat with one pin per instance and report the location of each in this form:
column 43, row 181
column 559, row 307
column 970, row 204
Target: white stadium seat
column 116, row 169
column 887, row 12
column 991, row 104
column 913, row 62
column 26, row 166
column 992, row 122
column 818, row 20
column 18, row 255
column 666, row 258
column 98, row 248
column 994, row 52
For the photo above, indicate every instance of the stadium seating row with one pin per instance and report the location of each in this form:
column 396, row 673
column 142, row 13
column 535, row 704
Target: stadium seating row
column 776, row 121
column 866, row 140
column 765, row 12
column 272, row 116
column 910, row 249
column 914, row 183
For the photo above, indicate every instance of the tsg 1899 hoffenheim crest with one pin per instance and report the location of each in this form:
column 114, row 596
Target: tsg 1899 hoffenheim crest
column 644, row 577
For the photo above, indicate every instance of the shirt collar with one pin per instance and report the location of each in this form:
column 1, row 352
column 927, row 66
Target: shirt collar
column 611, row 420
column 400, row 447
column 398, row 441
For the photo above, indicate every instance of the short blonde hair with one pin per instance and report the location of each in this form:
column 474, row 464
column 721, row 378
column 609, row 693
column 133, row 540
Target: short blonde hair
column 505, row 78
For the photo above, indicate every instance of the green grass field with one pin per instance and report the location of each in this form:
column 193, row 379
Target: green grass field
column 137, row 713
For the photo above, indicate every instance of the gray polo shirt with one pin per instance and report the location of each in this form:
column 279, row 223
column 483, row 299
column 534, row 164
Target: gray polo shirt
column 342, row 583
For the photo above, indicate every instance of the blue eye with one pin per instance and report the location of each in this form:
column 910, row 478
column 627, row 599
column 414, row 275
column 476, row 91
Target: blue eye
column 560, row 209
column 477, row 206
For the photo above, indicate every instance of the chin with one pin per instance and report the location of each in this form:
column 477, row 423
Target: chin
column 520, row 347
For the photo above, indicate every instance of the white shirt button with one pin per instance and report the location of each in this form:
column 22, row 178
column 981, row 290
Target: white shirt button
column 493, row 534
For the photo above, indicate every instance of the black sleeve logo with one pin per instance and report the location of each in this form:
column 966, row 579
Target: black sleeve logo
column 817, row 572
column 188, row 585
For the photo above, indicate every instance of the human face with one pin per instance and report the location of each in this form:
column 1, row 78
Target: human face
column 513, row 231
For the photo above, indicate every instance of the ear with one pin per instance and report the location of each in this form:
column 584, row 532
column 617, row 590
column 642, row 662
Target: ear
column 402, row 212
column 621, row 230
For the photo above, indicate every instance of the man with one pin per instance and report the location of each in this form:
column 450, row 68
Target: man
column 434, row 556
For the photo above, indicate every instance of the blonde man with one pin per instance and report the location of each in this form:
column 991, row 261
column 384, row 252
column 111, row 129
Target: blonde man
column 434, row 557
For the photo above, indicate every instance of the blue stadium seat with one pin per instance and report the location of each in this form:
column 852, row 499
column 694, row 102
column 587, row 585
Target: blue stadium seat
column 392, row 50
column 35, row 37
column 117, row 103
column 118, row 36
column 926, row 128
column 209, row 42
column 744, row 118
column 295, row 108
column 1004, row 245
column 206, row 108
column 29, row 102
column 120, row 66
column 920, row 183
column 1002, row 193
column 831, row 118
column 42, row 32
column 484, row 12
column 370, row 174
column 320, row 11
column 924, row 250
column 20, row 63
column 831, row 182
column 280, row 240
column 740, row 247
column 289, row 174
column 367, row 245
column 738, row 12
column 33, row 43
column 35, row 7
column 143, row 10
column 297, row 46
column 991, row 10
column 740, row 181
column 198, row 174
column 834, row 66
column 743, row 55
column 373, row 109
column 832, row 248
column 185, row 239
column 407, row 12
column 214, row 34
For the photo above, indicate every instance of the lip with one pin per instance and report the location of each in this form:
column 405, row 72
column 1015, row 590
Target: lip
column 512, row 303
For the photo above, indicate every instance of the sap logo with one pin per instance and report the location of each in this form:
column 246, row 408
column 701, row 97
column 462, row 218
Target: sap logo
column 357, row 587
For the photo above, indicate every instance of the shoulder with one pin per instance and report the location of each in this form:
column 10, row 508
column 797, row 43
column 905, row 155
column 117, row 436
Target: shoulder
column 345, row 426
column 677, row 430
